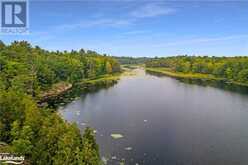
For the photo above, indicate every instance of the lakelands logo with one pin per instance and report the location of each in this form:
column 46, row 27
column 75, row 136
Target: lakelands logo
column 7, row 158
column 14, row 16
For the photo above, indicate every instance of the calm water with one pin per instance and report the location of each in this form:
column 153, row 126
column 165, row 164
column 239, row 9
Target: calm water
column 165, row 121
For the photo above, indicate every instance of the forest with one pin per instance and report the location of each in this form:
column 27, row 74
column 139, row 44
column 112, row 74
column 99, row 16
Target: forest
column 230, row 68
column 132, row 60
column 39, row 133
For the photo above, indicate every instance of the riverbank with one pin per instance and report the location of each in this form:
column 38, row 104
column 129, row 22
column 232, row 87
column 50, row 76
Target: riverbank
column 64, row 92
column 101, row 81
column 193, row 76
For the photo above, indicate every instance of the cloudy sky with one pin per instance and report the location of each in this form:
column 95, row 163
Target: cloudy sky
column 140, row 28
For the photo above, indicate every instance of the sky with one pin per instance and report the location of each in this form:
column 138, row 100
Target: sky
column 139, row 28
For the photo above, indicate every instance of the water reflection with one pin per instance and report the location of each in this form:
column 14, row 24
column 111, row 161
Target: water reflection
column 212, row 83
column 165, row 121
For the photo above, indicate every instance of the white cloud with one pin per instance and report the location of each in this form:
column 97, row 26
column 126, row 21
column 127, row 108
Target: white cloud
column 99, row 20
column 201, row 40
column 152, row 10
column 135, row 32
column 96, row 23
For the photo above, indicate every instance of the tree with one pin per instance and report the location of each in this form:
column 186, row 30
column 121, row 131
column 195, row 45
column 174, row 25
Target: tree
column 229, row 73
column 108, row 67
column 39, row 133
column 90, row 151
column 81, row 51
column 2, row 45
column 231, row 68
column 243, row 76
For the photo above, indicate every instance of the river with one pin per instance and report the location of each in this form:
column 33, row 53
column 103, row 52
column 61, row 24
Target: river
column 165, row 121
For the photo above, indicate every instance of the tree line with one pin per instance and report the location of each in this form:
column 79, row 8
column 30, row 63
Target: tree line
column 39, row 133
column 231, row 68
column 132, row 60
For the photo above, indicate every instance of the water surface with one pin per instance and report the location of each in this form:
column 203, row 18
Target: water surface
column 165, row 121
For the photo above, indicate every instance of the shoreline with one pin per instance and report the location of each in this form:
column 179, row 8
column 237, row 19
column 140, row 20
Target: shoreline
column 72, row 91
column 194, row 76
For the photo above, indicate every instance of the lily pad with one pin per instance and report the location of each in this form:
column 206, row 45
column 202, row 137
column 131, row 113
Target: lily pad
column 104, row 160
column 116, row 136
column 113, row 157
column 83, row 124
column 77, row 113
column 128, row 148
